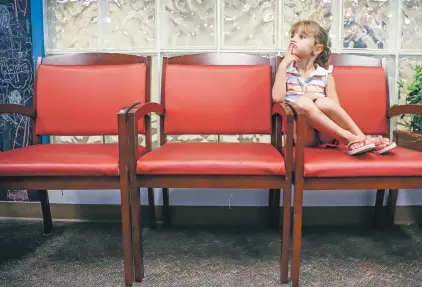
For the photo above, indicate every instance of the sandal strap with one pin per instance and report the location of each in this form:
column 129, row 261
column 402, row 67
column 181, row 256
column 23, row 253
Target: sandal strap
column 358, row 141
column 353, row 142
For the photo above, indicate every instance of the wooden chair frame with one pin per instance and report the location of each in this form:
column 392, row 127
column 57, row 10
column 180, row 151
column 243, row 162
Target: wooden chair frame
column 282, row 118
column 42, row 183
column 302, row 183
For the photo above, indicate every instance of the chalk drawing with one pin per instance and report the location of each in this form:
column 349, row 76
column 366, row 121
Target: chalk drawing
column 16, row 79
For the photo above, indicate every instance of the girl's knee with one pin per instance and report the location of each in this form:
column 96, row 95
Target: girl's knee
column 305, row 104
column 326, row 104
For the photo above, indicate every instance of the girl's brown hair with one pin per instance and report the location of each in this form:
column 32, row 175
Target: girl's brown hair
column 312, row 28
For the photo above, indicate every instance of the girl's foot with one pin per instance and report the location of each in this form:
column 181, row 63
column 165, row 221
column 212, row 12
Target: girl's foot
column 382, row 145
column 360, row 145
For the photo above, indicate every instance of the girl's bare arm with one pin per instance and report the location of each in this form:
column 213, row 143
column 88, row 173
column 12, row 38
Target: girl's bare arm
column 279, row 87
column 330, row 89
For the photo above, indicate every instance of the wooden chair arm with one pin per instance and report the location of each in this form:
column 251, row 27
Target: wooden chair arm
column 284, row 111
column 133, row 114
column 404, row 109
column 287, row 121
column 136, row 113
column 17, row 109
column 300, row 132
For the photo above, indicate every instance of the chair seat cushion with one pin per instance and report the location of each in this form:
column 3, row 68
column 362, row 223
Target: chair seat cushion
column 213, row 159
column 61, row 160
column 320, row 162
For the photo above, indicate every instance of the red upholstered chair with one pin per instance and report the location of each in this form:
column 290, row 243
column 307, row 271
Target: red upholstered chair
column 362, row 88
column 214, row 94
column 79, row 94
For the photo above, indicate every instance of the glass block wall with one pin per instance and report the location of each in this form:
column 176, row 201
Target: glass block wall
column 387, row 29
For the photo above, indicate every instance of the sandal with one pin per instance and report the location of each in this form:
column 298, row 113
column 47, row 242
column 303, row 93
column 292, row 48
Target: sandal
column 387, row 148
column 359, row 150
column 382, row 141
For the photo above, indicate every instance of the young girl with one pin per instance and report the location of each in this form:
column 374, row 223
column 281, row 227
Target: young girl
column 303, row 78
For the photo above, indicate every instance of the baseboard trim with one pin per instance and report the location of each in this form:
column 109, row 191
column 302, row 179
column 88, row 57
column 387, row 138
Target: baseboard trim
column 210, row 215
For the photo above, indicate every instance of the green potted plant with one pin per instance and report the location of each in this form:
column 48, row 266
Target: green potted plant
column 411, row 136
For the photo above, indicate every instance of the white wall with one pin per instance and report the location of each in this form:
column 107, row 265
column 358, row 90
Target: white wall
column 233, row 197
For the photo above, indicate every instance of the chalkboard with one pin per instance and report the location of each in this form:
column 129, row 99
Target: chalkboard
column 16, row 80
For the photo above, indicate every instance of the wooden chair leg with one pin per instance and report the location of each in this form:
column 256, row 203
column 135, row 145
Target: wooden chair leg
column 151, row 209
column 137, row 234
column 271, row 208
column 277, row 213
column 297, row 231
column 285, row 240
column 391, row 204
column 378, row 209
column 126, row 234
column 46, row 212
column 166, row 207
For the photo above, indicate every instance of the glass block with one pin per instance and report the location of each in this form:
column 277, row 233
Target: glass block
column 71, row 24
column 111, row 139
column 155, row 133
column 250, row 23
column 316, row 10
column 115, row 139
column 188, row 23
column 412, row 24
column 246, row 138
column 264, row 55
column 130, row 24
column 369, row 24
column 192, row 138
column 77, row 139
column 141, row 140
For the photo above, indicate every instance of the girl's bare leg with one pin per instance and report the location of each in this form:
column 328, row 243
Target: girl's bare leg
column 340, row 117
column 320, row 121
column 311, row 139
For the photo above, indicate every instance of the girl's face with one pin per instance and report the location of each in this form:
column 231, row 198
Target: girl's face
column 302, row 43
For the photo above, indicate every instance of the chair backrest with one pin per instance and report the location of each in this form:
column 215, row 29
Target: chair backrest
column 362, row 89
column 81, row 94
column 217, row 94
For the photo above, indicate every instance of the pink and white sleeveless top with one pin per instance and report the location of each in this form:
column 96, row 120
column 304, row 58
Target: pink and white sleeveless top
column 315, row 84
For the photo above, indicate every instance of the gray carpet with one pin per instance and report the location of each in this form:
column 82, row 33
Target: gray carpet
column 89, row 254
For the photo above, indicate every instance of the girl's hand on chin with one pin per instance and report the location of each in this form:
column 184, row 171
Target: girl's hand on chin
column 289, row 59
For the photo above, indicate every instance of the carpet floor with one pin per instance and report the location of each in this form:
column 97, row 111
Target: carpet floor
column 90, row 254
